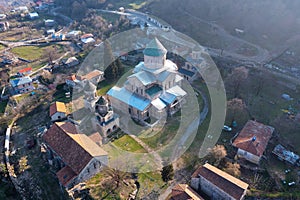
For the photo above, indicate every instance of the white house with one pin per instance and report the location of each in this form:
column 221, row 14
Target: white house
column 57, row 111
column 71, row 62
column 33, row 15
column 22, row 85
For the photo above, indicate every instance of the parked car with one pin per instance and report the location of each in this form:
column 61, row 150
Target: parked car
column 227, row 128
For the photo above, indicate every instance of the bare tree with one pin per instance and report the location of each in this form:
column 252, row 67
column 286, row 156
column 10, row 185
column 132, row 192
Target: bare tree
column 236, row 109
column 51, row 54
column 236, row 78
column 218, row 153
column 233, row 169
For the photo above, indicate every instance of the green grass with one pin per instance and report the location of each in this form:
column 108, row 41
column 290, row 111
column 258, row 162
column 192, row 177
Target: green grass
column 33, row 52
column 127, row 143
column 60, row 95
column 150, row 182
column 38, row 66
column 28, row 52
column 163, row 136
column 22, row 97
column 104, row 86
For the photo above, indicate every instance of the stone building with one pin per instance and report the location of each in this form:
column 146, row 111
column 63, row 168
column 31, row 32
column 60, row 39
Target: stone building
column 154, row 89
column 106, row 120
column 184, row 192
column 74, row 154
column 217, row 184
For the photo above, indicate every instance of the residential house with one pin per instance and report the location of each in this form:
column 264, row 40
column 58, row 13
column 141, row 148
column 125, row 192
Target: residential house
column 22, row 85
column 94, row 76
column 154, row 89
column 253, row 140
column 218, row 184
column 74, row 154
column 49, row 22
column 184, row 192
column 50, row 32
column 87, row 38
column 72, row 81
column 33, row 15
column 71, row 62
column 22, row 9
column 286, row 155
column 25, row 71
column 73, row 34
column 58, row 111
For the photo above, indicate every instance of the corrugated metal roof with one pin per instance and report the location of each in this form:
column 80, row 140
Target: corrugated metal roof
column 20, row 81
column 177, row 91
column 163, row 75
column 129, row 98
column 158, row 103
column 168, row 98
column 186, row 72
column 145, row 77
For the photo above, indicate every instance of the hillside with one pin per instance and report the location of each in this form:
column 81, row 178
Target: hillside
column 268, row 23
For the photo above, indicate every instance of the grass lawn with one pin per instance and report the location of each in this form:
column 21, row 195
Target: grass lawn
column 150, row 182
column 127, row 143
column 60, row 95
column 29, row 52
column 165, row 135
column 21, row 97
column 33, row 52
column 104, row 86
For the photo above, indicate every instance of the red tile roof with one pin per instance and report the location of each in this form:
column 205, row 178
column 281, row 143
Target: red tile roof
column 28, row 69
column 65, row 175
column 224, row 181
column 254, row 138
column 88, row 35
column 72, row 78
column 92, row 74
column 57, row 107
column 184, row 192
column 68, row 149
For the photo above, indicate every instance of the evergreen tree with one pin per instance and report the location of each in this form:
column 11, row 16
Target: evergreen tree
column 167, row 173
column 114, row 68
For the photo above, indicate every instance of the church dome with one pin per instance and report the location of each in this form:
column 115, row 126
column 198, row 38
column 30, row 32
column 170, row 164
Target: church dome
column 155, row 49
